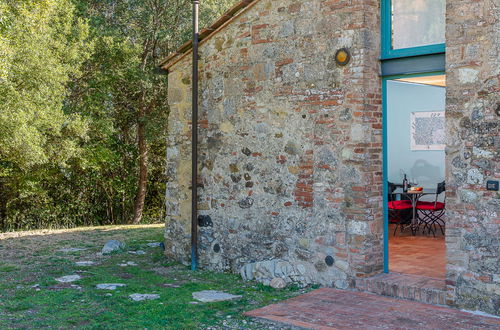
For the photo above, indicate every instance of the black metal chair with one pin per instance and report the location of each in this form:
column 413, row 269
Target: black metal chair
column 432, row 212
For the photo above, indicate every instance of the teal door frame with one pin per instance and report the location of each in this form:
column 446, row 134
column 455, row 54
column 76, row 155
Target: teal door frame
column 385, row 188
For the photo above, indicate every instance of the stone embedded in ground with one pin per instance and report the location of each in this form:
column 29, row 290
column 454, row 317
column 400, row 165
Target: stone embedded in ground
column 154, row 244
column 144, row 296
column 138, row 252
column 213, row 296
column 112, row 246
column 277, row 283
column 128, row 263
column 109, row 286
column 85, row 263
column 170, row 285
column 64, row 286
column 67, row 250
column 68, row 278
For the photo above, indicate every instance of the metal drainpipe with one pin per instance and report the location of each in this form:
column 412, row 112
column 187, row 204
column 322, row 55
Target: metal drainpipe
column 194, row 142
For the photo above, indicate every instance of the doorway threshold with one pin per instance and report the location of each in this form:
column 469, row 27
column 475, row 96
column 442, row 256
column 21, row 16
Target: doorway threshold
column 405, row 286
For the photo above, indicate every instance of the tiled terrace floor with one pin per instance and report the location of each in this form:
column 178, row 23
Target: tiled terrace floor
column 337, row 309
column 418, row 255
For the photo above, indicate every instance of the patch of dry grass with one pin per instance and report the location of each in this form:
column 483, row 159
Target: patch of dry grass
column 35, row 246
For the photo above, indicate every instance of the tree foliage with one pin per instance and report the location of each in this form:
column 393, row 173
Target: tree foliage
column 42, row 45
column 83, row 108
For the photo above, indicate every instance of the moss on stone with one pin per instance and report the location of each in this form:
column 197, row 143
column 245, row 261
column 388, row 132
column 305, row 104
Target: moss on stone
column 186, row 80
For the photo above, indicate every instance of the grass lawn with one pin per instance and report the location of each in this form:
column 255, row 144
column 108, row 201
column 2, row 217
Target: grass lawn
column 30, row 297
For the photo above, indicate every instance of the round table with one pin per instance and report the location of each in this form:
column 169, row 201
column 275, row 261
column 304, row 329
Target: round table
column 414, row 196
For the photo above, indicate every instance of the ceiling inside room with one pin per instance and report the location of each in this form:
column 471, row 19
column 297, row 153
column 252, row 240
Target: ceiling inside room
column 438, row 80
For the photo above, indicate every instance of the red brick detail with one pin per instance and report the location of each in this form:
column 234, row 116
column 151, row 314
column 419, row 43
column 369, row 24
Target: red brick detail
column 303, row 192
column 284, row 62
column 256, row 37
column 281, row 159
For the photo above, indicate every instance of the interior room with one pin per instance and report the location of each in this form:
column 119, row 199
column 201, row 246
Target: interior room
column 416, row 171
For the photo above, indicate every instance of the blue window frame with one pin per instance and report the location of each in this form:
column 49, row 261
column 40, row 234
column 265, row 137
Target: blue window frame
column 419, row 20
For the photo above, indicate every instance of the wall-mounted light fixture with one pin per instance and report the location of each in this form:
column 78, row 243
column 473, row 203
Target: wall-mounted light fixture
column 342, row 57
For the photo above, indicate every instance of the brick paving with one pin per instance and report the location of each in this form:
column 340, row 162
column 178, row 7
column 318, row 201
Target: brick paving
column 337, row 309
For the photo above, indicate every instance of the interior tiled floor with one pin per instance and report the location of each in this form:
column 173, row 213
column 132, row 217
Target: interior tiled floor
column 422, row 254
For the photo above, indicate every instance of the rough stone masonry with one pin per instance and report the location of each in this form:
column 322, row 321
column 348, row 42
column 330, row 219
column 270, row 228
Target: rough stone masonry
column 472, row 116
column 291, row 147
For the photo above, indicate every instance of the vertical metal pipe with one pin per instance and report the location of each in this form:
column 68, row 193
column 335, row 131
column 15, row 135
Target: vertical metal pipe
column 194, row 142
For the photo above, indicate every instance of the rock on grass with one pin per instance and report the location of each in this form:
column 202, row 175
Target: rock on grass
column 109, row 286
column 112, row 246
column 69, row 250
column 277, row 283
column 144, row 296
column 68, row 278
column 138, row 252
column 213, row 296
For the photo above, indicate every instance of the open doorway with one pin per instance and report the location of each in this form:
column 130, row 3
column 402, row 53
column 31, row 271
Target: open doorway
column 414, row 174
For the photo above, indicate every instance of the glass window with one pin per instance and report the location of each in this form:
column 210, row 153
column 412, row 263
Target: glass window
column 417, row 23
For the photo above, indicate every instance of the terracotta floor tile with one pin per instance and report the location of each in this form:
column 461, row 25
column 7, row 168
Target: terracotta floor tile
column 419, row 255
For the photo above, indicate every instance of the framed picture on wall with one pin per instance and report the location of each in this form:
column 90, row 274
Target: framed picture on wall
column 427, row 131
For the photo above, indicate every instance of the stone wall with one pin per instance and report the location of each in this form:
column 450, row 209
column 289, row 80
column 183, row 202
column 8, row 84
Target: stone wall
column 472, row 111
column 290, row 145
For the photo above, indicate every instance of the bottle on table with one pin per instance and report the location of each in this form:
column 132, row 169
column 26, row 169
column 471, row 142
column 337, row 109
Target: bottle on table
column 405, row 184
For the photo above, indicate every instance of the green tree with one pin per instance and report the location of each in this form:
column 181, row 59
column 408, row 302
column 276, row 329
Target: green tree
column 42, row 45
column 131, row 36
column 83, row 108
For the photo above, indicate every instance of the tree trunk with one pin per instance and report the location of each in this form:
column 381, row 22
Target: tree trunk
column 143, row 170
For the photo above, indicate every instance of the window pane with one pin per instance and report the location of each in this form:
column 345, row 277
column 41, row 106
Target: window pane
column 417, row 23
